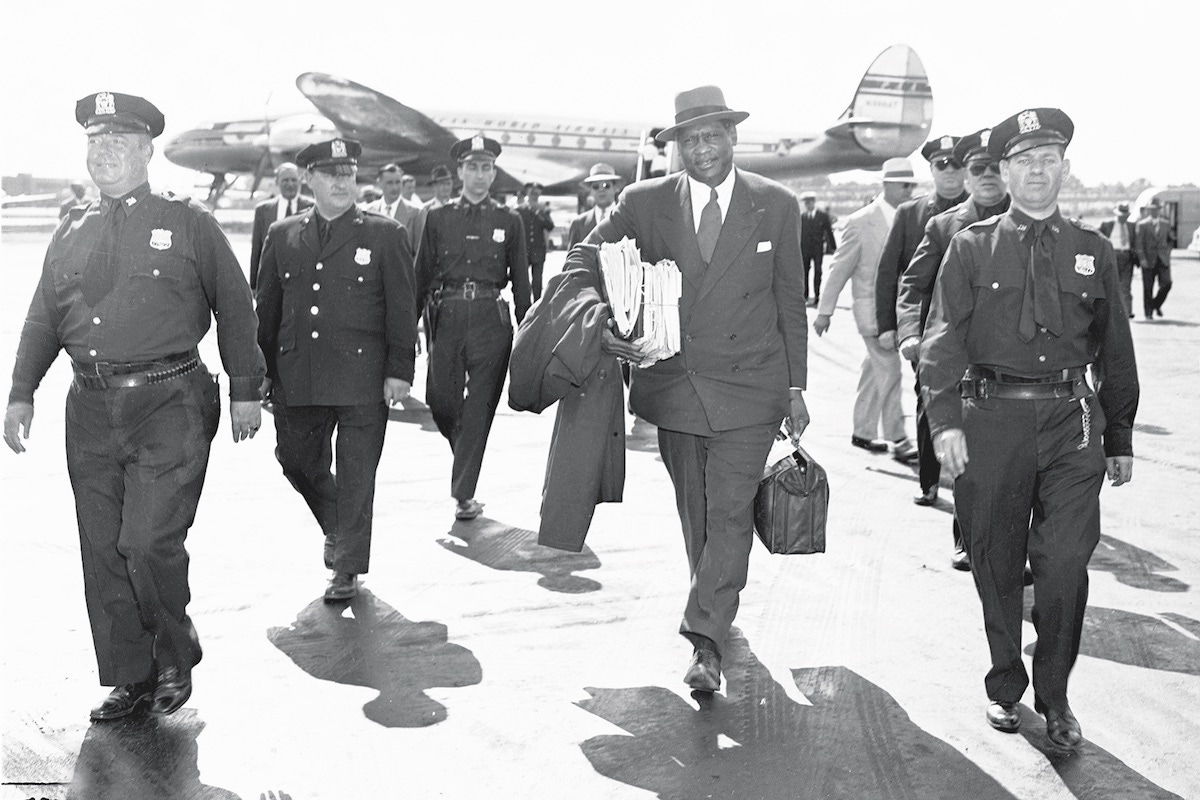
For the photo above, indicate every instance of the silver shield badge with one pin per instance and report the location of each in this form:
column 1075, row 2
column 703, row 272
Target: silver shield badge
column 106, row 104
column 362, row 256
column 160, row 239
column 1085, row 265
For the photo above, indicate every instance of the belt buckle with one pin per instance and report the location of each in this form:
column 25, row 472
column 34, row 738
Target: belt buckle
column 96, row 368
column 468, row 288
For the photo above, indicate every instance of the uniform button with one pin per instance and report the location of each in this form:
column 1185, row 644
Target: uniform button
column 320, row 265
column 360, row 278
column 316, row 334
column 1043, row 330
column 316, row 287
column 603, row 374
column 691, row 372
column 995, row 286
column 735, row 367
column 154, row 273
column 746, row 296
column 360, row 351
column 91, row 352
column 687, row 338
column 313, row 310
column 95, row 320
column 1041, row 358
column 732, row 336
column 1085, row 295
column 287, row 274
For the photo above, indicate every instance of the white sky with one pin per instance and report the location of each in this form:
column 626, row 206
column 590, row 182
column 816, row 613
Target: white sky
column 1129, row 79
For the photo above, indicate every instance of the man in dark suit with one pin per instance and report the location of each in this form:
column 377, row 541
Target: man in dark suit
column 268, row 212
column 603, row 183
column 1123, row 235
column 535, row 218
column 743, row 362
column 816, row 239
column 337, row 325
column 1154, row 242
column 391, row 180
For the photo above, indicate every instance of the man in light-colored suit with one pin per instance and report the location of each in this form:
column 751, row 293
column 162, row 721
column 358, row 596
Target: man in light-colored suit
column 1154, row 243
column 742, row 368
column 268, row 212
column 1122, row 232
column 603, row 183
column 877, row 405
column 393, row 204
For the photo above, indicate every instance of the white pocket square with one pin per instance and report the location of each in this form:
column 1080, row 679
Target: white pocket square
column 764, row 247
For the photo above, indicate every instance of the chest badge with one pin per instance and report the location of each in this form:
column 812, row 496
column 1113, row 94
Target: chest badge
column 160, row 239
column 1085, row 265
column 498, row 235
column 362, row 256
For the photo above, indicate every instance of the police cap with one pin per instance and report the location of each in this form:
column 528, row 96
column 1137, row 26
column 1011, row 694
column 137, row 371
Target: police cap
column 477, row 146
column 336, row 153
column 972, row 145
column 941, row 146
column 1030, row 128
column 113, row 112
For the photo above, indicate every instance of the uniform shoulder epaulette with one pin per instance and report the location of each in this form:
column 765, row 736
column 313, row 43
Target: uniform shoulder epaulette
column 1083, row 226
column 374, row 213
column 171, row 197
column 984, row 223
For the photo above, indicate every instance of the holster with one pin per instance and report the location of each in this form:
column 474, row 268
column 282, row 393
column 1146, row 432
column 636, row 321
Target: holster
column 430, row 316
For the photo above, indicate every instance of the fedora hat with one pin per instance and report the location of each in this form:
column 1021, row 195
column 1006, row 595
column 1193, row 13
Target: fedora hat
column 601, row 172
column 699, row 105
column 898, row 170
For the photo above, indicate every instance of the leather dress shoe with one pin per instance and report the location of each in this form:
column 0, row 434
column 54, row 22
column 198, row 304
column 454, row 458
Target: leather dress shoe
column 960, row 560
column 928, row 497
column 869, row 445
column 468, row 509
column 1063, row 729
column 342, row 586
column 124, row 700
column 704, row 673
column 173, row 690
column 905, row 451
column 1004, row 716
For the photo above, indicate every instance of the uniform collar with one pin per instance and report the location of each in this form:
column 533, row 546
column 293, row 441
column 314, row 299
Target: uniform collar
column 1024, row 222
column 128, row 201
column 464, row 203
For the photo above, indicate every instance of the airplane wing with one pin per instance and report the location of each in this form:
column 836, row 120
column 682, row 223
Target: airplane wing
column 373, row 118
column 526, row 167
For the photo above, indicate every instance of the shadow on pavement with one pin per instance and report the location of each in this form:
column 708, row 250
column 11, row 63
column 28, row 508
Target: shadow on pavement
column 144, row 757
column 1090, row 773
column 413, row 412
column 366, row 642
column 855, row 741
column 510, row 549
column 1133, row 566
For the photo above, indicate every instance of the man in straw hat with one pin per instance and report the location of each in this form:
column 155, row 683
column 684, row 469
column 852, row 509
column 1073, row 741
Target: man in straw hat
column 743, row 364
column 602, row 183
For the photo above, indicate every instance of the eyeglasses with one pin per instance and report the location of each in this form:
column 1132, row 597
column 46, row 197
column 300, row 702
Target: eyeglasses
column 944, row 163
column 601, row 184
column 978, row 169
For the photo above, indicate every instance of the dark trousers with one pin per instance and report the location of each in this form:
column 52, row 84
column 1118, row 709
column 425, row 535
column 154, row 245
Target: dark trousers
column 1125, row 278
column 1031, row 489
column 929, row 469
column 137, row 459
column 716, row 478
column 1151, row 302
column 468, row 361
column 812, row 261
column 343, row 505
column 536, row 266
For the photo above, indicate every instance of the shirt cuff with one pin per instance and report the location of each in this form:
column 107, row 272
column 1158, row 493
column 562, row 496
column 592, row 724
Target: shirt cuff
column 244, row 389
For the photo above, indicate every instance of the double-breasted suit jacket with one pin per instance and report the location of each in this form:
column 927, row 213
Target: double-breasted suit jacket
column 742, row 316
column 334, row 321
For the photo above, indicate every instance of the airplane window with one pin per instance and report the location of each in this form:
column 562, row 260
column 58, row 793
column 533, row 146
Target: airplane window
column 606, row 144
column 531, row 138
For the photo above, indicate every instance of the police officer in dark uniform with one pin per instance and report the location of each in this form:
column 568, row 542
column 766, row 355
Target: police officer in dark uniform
column 1024, row 303
column 130, row 285
column 988, row 197
column 469, row 251
column 337, row 324
column 535, row 217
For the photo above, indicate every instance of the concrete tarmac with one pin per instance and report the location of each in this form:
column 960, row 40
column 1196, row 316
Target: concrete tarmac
column 477, row 664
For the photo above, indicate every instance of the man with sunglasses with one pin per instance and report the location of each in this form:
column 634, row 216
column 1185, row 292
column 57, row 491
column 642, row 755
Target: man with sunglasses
column 1024, row 303
column 602, row 182
column 988, row 197
column 337, row 325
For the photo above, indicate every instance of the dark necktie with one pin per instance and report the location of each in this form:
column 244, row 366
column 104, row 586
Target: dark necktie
column 1040, row 305
column 710, row 228
column 291, row 209
column 323, row 228
column 101, row 271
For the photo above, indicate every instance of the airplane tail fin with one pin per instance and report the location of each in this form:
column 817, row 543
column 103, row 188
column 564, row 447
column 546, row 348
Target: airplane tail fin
column 892, row 109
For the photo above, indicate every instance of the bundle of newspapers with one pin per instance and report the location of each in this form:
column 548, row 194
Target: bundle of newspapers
column 644, row 299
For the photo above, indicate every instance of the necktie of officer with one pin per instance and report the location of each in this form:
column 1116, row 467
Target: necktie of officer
column 710, row 228
column 101, row 272
column 323, row 226
column 1040, row 305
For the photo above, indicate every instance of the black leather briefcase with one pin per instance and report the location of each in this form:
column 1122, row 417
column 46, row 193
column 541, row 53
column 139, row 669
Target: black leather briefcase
column 791, row 505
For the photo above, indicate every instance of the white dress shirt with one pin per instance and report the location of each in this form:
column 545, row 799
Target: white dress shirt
column 701, row 192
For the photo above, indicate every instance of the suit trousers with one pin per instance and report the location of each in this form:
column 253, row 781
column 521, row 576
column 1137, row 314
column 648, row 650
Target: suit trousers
column 536, row 266
column 877, row 406
column 1032, row 489
column 468, row 362
column 812, row 259
column 929, row 469
column 1152, row 302
column 1125, row 278
column 716, row 478
column 343, row 504
column 137, row 458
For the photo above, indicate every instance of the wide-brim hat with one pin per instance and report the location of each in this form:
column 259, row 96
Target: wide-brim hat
column 699, row 105
column 440, row 173
column 602, row 172
column 898, row 170
column 1121, row 208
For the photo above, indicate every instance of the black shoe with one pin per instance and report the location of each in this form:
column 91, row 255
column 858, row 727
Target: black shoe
column 124, row 700
column 704, row 673
column 927, row 497
column 1158, row 311
column 869, row 445
column 960, row 560
column 342, row 586
column 1063, row 729
column 173, row 690
column 905, row 451
column 468, row 509
column 1004, row 716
